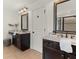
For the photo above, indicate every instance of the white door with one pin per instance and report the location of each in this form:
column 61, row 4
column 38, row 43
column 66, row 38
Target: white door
column 37, row 29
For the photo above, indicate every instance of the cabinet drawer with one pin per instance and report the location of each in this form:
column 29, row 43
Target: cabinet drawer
column 25, row 44
column 27, row 36
column 51, row 44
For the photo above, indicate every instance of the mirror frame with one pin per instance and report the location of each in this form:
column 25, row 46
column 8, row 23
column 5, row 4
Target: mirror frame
column 24, row 29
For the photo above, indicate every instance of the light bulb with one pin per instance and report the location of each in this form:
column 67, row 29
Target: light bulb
column 24, row 9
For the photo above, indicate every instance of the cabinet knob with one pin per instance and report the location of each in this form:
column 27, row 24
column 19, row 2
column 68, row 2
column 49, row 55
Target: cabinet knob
column 33, row 32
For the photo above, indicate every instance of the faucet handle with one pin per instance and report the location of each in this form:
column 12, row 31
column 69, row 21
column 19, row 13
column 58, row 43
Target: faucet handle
column 72, row 36
column 61, row 35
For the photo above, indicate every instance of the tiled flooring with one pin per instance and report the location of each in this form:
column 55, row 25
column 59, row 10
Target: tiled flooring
column 12, row 52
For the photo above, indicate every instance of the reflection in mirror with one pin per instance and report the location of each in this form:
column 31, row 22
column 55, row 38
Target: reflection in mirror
column 24, row 22
column 70, row 24
column 67, row 23
column 67, row 8
column 59, row 24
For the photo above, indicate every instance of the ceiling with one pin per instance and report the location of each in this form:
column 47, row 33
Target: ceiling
column 15, row 5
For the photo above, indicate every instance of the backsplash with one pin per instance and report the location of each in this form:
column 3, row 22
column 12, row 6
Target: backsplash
column 71, row 36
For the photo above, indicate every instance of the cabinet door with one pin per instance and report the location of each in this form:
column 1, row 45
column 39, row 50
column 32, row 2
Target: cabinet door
column 50, row 50
column 18, row 41
column 52, row 54
column 14, row 40
column 72, row 57
column 25, row 41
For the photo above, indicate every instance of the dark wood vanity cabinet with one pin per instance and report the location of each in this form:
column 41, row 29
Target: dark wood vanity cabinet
column 22, row 41
column 51, row 50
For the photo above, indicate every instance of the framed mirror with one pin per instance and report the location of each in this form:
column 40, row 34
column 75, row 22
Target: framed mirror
column 64, row 15
column 24, row 22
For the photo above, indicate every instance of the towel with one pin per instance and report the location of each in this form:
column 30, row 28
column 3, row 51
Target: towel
column 14, row 33
column 65, row 45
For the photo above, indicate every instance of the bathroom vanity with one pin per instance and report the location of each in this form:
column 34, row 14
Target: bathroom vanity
column 64, row 22
column 51, row 50
column 21, row 41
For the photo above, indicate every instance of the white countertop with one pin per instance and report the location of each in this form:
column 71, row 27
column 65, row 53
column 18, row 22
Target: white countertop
column 19, row 32
column 23, row 32
column 57, row 39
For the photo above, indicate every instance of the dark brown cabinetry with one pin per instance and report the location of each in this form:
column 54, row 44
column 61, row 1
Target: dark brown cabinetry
column 51, row 50
column 22, row 41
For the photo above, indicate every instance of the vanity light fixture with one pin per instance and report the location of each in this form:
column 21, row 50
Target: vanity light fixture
column 56, row 1
column 59, row 1
column 23, row 10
